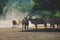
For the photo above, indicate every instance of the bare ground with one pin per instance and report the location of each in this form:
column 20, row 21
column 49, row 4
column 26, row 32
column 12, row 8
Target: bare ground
column 16, row 34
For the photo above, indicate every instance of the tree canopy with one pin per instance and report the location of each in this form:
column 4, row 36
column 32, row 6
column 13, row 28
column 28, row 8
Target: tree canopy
column 2, row 5
column 47, row 4
column 51, row 6
column 37, row 7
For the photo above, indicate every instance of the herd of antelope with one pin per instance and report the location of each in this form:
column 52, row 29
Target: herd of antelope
column 43, row 20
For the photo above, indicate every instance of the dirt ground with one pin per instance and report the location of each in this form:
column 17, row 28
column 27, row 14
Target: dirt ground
column 16, row 34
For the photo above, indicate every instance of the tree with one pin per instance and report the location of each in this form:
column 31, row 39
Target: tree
column 2, row 5
column 50, row 5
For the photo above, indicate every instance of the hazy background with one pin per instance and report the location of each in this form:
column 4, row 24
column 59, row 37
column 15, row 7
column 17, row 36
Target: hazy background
column 17, row 9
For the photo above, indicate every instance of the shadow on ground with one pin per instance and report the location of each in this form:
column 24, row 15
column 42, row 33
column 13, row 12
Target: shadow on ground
column 42, row 30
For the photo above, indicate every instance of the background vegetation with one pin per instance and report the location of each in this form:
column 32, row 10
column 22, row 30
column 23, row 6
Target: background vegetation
column 35, row 8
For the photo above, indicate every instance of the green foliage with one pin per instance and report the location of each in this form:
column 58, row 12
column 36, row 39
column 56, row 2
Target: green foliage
column 2, row 5
column 57, row 14
column 23, row 6
column 49, row 7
